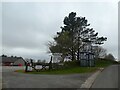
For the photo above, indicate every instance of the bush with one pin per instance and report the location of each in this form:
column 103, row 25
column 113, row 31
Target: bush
column 74, row 63
column 104, row 62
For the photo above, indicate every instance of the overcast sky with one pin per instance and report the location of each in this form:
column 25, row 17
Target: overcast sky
column 28, row 26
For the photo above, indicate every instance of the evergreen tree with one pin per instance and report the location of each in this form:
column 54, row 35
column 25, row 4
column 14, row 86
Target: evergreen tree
column 75, row 34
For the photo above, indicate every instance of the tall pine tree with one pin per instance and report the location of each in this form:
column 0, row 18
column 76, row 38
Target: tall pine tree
column 75, row 34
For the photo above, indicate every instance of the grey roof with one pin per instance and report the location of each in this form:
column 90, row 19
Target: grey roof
column 8, row 59
column 19, row 61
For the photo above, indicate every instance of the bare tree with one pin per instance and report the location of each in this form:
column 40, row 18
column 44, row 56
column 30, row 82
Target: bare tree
column 100, row 52
column 110, row 57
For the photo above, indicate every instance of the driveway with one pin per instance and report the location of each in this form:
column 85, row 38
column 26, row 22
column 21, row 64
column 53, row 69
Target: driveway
column 13, row 79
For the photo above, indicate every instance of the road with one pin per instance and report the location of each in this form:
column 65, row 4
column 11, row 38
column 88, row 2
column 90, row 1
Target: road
column 108, row 78
column 13, row 79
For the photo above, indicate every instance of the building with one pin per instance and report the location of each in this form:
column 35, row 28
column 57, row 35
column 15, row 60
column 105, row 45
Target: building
column 56, row 57
column 12, row 61
column 67, row 58
column 19, row 62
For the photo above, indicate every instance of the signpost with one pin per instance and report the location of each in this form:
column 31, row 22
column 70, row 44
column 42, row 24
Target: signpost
column 87, row 59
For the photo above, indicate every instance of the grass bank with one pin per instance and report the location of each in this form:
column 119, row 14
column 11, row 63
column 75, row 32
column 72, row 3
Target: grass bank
column 64, row 71
column 74, row 67
column 104, row 63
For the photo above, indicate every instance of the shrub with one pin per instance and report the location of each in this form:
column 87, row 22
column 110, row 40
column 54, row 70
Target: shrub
column 74, row 63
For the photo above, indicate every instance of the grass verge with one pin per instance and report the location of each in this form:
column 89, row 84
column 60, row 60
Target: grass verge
column 73, row 67
column 64, row 71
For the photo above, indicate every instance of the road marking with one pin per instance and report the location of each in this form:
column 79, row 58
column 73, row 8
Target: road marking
column 88, row 83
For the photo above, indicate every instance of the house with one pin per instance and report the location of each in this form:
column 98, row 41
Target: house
column 67, row 58
column 19, row 62
column 10, row 61
column 56, row 57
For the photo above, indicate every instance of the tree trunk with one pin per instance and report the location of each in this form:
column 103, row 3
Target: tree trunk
column 73, row 58
column 78, row 54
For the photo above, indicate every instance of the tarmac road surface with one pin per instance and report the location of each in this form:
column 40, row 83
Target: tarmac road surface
column 13, row 79
column 108, row 78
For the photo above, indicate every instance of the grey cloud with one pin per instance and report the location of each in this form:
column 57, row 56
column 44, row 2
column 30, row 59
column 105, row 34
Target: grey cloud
column 27, row 27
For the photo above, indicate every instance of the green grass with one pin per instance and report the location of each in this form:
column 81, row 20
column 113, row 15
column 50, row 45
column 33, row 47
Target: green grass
column 73, row 67
column 104, row 63
column 64, row 71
